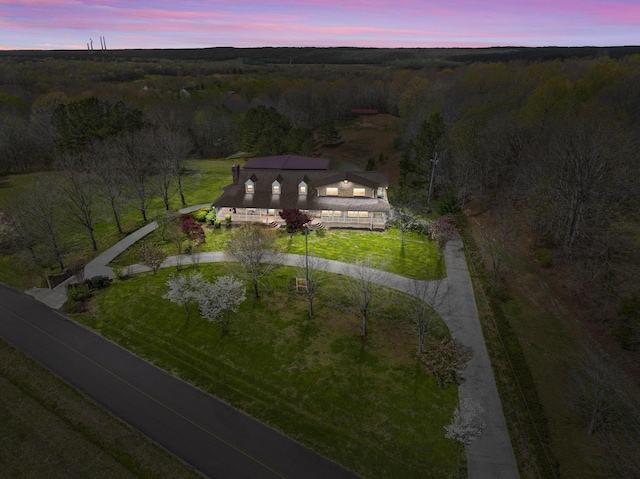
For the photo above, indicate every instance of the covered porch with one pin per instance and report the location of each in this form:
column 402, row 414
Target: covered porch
column 320, row 218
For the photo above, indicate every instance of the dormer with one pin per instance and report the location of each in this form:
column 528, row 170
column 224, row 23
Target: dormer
column 250, row 185
column 276, row 186
column 303, row 186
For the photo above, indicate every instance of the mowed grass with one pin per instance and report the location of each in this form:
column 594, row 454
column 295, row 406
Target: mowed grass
column 364, row 403
column 51, row 430
column 419, row 258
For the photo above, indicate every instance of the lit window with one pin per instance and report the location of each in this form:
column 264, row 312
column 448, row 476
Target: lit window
column 302, row 188
column 332, row 191
column 331, row 213
column 248, row 186
column 359, row 192
column 275, row 188
column 357, row 214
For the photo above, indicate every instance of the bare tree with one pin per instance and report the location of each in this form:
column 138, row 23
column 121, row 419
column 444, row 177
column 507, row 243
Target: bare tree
column 496, row 240
column 39, row 205
column 362, row 289
column 111, row 176
column 151, row 255
column 427, row 296
column 79, row 192
column 172, row 147
column 312, row 269
column 133, row 152
column 596, row 388
column 573, row 177
column 251, row 246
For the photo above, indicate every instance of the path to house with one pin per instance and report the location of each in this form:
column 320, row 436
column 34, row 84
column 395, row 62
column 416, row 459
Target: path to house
column 491, row 456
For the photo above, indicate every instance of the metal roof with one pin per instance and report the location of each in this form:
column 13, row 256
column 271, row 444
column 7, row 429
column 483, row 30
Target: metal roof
column 234, row 195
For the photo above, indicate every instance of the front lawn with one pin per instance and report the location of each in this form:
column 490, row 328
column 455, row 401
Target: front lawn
column 363, row 403
column 420, row 258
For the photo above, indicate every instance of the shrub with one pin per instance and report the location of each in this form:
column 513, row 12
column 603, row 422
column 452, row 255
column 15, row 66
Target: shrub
column 227, row 219
column 201, row 215
column 99, row 282
column 321, row 232
column 217, row 224
column 78, row 291
column 211, row 216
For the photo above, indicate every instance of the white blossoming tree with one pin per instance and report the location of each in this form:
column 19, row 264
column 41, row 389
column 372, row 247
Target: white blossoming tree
column 465, row 426
column 217, row 300
column 184, row 289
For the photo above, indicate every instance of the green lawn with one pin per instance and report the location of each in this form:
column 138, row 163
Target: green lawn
column 364, row 403
column 420, row 258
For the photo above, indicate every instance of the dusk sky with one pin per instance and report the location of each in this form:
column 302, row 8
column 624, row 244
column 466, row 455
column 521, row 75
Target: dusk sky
column 69, row 24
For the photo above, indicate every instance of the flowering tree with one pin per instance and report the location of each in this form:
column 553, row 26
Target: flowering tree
column 183, row 289
column 192, row 229
column 443, row 229
column 295, row 219
column 217, row 300
column 445, row 358
column 465, row 426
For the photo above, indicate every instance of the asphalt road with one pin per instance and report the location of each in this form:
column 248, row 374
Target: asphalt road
column 214, row 438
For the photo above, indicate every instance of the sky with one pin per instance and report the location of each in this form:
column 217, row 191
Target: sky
column 71, row 24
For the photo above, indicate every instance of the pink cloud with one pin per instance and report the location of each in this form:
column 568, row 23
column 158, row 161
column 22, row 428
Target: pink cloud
column 404, row 23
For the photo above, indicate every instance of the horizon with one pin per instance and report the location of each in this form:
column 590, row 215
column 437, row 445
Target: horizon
column 321, row 47
column 191, row 24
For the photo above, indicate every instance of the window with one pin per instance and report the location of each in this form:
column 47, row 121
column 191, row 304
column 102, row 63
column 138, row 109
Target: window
column 359, row 192
column 332, row 191
column 331, row 213
column 357, row 214
column 302, row 188
column 275, row 188
column 249, row 186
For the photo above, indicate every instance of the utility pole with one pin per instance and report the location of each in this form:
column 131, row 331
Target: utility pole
column 434, row 160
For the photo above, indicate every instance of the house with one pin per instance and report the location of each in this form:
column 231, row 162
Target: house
column 332, row 198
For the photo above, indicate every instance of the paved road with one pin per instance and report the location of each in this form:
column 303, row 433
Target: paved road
column 213, row 437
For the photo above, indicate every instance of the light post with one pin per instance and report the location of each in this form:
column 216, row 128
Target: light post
column 433, row 160
column 306, row 251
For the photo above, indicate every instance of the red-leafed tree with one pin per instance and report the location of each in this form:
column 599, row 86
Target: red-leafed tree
column 192, row 229
column 294, row 219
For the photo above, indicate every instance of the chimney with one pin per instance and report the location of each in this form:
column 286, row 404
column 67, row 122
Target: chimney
column 235, row 169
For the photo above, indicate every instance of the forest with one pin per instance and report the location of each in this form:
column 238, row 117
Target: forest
column 535, row 150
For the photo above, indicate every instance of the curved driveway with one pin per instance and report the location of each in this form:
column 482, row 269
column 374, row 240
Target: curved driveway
column 491, row 456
